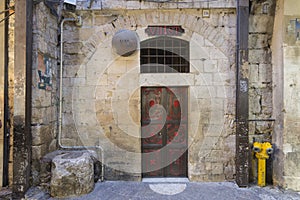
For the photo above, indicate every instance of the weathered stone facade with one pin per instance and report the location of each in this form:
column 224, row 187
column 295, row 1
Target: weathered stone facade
column 2, row 64
column 44, row 101
column 11, row 44
column 102, row 90
column 261, row 23
column 144, row 4
column 260, row 91
column 10, row 51
column 290, row 84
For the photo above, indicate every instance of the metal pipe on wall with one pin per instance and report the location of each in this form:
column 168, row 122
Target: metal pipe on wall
column 6, row 130
column 61, row 99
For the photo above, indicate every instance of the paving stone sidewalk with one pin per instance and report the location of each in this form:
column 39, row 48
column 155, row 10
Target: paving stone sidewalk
column 5, row 193
column 122, row 190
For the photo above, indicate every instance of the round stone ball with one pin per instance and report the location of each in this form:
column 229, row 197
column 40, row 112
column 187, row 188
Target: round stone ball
column 125, row 42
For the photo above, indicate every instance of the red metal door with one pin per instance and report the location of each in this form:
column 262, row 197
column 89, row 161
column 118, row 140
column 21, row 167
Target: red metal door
column 164, row 131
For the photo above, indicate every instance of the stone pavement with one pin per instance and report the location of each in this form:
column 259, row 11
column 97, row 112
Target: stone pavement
column 123, row 190
column 5, row 193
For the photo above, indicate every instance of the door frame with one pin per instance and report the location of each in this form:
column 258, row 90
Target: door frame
column 186, row 152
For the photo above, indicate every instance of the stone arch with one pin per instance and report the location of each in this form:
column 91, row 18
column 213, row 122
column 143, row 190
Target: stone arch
column 191, row 22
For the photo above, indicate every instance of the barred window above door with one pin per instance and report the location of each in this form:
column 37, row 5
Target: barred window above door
column 164, row 55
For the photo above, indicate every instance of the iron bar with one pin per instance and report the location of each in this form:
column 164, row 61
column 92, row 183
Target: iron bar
column 261, row 120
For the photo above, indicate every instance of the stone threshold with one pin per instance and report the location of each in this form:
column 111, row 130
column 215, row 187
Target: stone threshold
column 165, row 180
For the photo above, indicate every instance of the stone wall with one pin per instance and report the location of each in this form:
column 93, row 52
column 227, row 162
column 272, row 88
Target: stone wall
column 2, row 50
column 260, row 77
column 44, row 86
column 285, row 47
column 291, row 61
column 11, row 22
column 260, row 61
column 11, row 63
column 102, row 90
column 145, row 4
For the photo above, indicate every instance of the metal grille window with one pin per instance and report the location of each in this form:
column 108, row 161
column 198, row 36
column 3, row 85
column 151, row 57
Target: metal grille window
column 165, row 55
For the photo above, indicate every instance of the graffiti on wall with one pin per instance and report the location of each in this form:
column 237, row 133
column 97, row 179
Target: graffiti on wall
column 294, row 28
column 298, row 29
column 44, row 72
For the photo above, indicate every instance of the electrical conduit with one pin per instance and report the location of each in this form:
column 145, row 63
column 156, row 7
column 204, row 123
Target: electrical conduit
column 61, row 99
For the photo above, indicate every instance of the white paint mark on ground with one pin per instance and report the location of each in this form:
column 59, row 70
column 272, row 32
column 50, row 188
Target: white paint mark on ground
column 168, row 189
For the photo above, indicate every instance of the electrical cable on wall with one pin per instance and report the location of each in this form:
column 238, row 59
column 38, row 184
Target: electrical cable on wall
column 2, row 20
column 8, row 9
column 11, row 8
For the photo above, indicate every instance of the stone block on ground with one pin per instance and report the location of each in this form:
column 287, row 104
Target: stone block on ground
column 72, row 174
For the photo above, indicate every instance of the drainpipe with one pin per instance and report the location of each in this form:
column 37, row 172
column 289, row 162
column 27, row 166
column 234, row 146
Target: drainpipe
column 61, row 99
column 6, row 122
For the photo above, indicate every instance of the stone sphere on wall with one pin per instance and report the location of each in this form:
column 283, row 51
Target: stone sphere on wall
column 125, row 42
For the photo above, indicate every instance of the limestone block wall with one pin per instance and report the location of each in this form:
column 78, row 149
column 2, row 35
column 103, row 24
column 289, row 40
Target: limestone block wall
column 2, row 41
column 286, row 100
column 102, row 97
column 151, row 4
column 44, row 86
column 261, row 23
column 291, row 62
column 11, row 44
column 260, row 68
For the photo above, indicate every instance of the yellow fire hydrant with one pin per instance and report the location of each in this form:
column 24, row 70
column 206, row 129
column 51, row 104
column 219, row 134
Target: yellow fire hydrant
column 262, row 152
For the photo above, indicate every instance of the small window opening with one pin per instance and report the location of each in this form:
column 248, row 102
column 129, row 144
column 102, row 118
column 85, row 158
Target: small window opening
column 164, row 55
